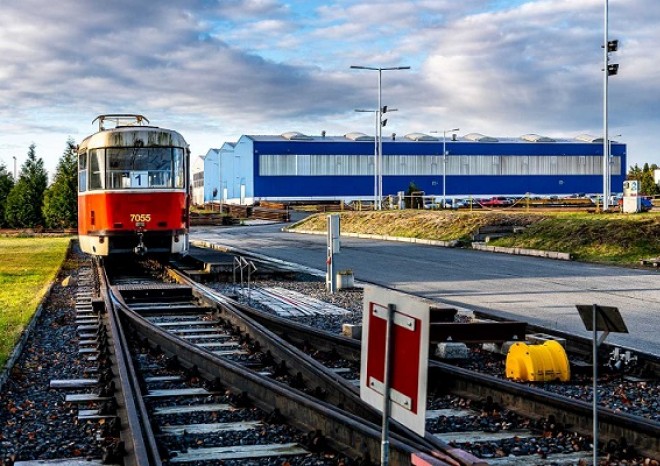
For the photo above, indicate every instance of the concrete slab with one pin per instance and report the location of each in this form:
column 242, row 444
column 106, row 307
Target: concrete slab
column 85, row 398
column 476, row 437
column 237, row 452
column 201, row 429
column 178, row 392
column 73, row 383
column 163, row 378
column 201, row 408
column 63, row 462
column 185, row 323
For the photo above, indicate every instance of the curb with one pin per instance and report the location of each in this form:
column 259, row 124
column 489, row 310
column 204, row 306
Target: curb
column 430, row 242
column 565, row 256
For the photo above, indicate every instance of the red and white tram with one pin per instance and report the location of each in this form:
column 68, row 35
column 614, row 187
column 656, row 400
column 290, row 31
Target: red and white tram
column 133, row 194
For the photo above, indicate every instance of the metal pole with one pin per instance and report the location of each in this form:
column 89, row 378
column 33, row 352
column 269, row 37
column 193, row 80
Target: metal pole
column 606, row 164
column 377, row 114
column 385, row 439
column 444, row 169
column 380, row 139
column 595, row 386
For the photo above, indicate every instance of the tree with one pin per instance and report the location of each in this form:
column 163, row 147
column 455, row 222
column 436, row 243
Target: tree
column 644, row 175
column 647, row 182
column 24, row 203
column 635, row 173
column 6, row 184
column 60, row 200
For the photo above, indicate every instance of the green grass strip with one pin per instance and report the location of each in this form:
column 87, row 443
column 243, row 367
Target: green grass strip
column 27, row 267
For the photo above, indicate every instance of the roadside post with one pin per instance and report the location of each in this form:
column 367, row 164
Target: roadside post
column 394, row 360
column 333, row 247
column 605, row 319
column 631, row 203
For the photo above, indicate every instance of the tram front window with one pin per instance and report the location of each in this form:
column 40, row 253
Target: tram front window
column 135, row 168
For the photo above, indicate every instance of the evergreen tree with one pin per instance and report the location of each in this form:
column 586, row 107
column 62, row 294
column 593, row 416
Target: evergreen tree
column 6, row 183
column 24, row 203
column 635, row 173
column 647, row 183
column 61, row 201
column 644, row 175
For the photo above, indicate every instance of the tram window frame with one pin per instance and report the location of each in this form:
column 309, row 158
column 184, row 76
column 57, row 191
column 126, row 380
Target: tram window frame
column 123, row 163
column 82, row 172
column 178, row 167
column 96, row 169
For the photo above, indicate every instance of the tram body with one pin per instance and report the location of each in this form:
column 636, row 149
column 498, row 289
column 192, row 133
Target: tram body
column 133, row 193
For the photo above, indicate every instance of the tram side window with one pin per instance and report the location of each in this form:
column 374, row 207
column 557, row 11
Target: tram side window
column 179, row 173
column 82, row 173
column 96, row 166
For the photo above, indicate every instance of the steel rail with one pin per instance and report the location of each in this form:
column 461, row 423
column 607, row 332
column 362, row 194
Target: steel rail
column 139, row 438
column 643, row 433
column 344, row 431
column 340, row 393
column 583, row 345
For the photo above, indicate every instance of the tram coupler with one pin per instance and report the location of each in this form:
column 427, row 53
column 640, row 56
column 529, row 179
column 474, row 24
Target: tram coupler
column 140, row 249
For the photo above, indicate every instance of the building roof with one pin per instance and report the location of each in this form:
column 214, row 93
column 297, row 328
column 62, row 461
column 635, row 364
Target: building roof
column 356, row 136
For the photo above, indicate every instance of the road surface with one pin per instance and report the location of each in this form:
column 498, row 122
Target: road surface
column 541, row 291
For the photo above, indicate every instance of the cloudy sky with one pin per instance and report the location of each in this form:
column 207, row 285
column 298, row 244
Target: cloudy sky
column 217, row 69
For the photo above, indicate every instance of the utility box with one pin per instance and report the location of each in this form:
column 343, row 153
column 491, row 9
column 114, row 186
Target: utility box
column 631, row 201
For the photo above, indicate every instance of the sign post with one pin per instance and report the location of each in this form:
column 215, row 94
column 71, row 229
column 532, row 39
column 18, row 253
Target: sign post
column 605, row 319
column 333, row 247
column 394, row 362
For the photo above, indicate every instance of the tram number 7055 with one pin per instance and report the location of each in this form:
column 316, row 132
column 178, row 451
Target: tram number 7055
column 140, row 218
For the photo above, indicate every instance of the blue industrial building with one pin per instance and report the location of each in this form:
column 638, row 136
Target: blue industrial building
column 294, row 166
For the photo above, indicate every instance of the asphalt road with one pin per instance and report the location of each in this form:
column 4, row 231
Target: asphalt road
column 542, row 291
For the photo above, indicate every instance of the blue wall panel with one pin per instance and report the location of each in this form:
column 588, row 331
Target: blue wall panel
column 363, row 186
column 457, row 185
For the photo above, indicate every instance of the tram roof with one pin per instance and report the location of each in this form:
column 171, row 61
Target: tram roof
column 131, row 136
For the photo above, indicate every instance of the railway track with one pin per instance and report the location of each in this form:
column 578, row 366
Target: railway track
column 179, row 374
column 640, row 433
column 192, row 344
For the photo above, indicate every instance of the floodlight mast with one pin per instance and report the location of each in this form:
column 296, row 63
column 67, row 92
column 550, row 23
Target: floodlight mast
column 608, row 70
column 378, row 155
column 444, row 163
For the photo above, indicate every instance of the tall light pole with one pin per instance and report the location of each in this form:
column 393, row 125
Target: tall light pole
column 608, row 70
column 609, row 160
column 379, row 139
column 377, row 185
column 444, row 163
column 375, row 112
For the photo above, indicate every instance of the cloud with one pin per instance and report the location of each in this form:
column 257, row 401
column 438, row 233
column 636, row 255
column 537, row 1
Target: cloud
column 224, row 68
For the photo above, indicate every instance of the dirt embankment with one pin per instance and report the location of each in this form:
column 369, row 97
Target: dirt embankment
column 615, row 238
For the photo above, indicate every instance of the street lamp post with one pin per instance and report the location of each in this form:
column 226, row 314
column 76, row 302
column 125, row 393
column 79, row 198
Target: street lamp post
column 444, row 163
column 608, row 70
column 377, row 185
column 609, row 160
column 375, row 112
column 378, row 153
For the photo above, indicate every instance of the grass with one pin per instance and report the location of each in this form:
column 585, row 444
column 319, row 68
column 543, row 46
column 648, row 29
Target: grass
column 610, row 238
column 27, row 267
